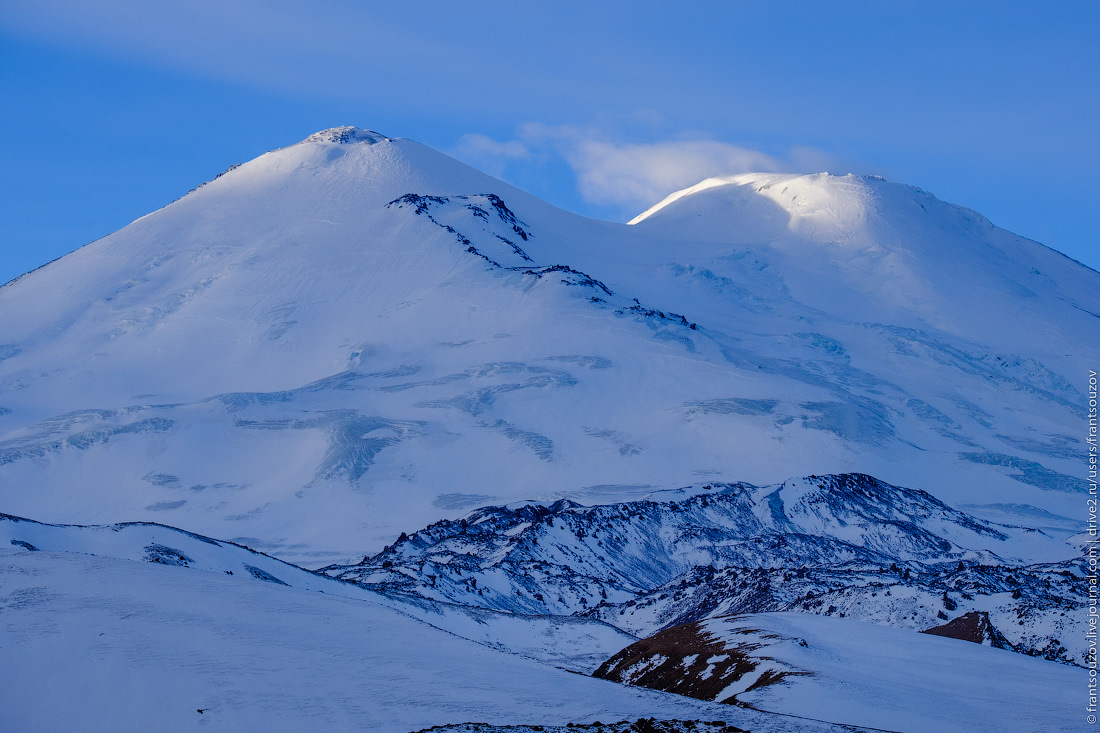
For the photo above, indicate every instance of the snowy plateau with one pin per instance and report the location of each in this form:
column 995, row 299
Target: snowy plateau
column 355, row 437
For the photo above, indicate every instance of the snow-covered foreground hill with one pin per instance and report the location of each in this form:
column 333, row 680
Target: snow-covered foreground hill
column 855, row 673
column 98, row 643
column 356, row 335
column 577, row 644
column 163, row 629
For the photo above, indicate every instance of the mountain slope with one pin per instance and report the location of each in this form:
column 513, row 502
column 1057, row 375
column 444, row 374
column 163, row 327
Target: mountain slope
column 853, row 673
column 852, row 246
column 357, row 335
column 576, row 644
column 141, row 625
column 116, row 644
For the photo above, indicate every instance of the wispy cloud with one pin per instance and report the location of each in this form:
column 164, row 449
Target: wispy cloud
column 624, row 173
column 627, row 175
column 328, row 47
column 488, row 154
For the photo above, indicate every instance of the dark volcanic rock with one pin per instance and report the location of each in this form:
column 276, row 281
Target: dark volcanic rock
column 974, row 626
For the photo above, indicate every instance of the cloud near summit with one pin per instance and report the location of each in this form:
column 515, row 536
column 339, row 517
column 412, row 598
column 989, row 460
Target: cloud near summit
column 630, row 176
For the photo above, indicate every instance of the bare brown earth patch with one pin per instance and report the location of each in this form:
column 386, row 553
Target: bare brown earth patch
column 687, row 660
column 974, row 626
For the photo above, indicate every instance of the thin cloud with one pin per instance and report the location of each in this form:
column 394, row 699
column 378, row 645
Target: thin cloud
column 328, row 46
column 489, row 155
column 629, row 176
column 633, row 174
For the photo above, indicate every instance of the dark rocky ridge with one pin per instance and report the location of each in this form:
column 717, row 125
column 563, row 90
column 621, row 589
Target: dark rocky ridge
column 847, row 546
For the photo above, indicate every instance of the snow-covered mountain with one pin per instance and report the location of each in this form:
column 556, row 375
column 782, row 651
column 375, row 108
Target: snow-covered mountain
column 516, row 439
column 356, row 335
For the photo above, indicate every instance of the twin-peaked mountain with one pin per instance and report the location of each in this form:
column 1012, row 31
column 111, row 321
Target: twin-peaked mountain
column 356, row 336
column 565, row 439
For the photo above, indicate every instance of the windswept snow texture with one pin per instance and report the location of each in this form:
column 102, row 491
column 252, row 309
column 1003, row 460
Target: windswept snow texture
column 577, row 644
column 108, row 644
column 196, row 632
column 855, row 673
column 338, row 340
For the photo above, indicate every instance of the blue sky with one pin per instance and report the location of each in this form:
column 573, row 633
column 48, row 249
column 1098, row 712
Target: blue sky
column 114, row 108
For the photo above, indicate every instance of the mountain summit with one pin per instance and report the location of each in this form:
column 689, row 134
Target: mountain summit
column 358, row 335
column 346, row 134
column 855, row 245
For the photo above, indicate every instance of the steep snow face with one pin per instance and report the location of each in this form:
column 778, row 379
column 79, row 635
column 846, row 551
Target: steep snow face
column 849, row 242
column 356, row 335
column 253, row 280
